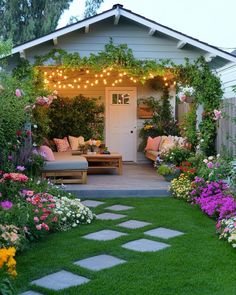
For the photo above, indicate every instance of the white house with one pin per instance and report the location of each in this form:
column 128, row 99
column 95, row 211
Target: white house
column 147, row 39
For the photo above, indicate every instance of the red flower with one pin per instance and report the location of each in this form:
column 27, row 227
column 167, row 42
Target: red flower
column 18, row 132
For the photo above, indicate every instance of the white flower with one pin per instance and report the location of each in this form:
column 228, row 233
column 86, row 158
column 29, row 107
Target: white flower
column 217, row 156
column 64, row 219
column 202, row 140
column 205, row 161
column 35, row 126
column 74, row 225
column 210, row 158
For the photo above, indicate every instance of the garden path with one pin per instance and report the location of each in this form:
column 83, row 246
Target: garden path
column 63, row 279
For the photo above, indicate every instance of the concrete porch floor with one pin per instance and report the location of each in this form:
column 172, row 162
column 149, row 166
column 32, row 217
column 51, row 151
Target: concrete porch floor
column 138, row 180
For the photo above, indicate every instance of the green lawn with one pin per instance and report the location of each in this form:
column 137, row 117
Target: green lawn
column 196, row 263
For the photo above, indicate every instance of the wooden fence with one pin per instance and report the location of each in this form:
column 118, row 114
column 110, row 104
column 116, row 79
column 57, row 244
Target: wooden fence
column 226, row 135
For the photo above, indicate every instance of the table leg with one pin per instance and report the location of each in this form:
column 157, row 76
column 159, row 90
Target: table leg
column 120, row 166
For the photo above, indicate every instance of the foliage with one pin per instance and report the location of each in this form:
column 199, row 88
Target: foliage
column 188, row 127
column 77, row 116
column 214, row 168
column 164, row 170
column 162, row 122
column 91, row 7
column 24, row 20
column 176, row 155
column 118, row 57
column 181, row 187
column 168, row 171
column 208, row 92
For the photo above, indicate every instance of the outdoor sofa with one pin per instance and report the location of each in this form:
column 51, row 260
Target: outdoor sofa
column 66, row 168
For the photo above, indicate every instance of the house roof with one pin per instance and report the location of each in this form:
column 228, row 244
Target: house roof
column 117, row 11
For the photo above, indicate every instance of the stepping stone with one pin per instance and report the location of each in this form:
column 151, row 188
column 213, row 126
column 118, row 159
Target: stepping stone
column 92, row 203
column 60, row 280
column 99, row 262
column 144, row 245
column 109, row 216
column 31, row 293
column 104, row 235
column 163, row 233
column 132, row 224
column 119, row 207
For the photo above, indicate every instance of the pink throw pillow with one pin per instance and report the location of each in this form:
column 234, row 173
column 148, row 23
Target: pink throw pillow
column 153, row 143
column 62, row 144
column 47, row 153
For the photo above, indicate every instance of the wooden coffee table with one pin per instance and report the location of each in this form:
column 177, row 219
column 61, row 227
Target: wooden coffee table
column 103, row 162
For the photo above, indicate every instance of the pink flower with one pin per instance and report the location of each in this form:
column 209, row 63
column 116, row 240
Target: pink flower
column 43, row 217
column 39, row 226
column 217, row 115
column 36, row 219
column 18, row 92
column 45, row 226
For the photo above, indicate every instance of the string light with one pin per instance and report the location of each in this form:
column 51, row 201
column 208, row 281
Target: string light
column 165, row 78
column 87, row 71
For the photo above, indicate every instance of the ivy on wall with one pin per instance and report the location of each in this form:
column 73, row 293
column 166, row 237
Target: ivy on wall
column 198, row 75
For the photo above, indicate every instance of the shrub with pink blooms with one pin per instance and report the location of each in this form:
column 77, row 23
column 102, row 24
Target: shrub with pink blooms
column 43, row 217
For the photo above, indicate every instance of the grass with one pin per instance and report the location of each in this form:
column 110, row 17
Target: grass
column 196, row 263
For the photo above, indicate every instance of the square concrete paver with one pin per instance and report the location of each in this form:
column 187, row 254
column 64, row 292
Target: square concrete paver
column 99, row 262
column 31, row 293
column 144, row 245
column 109, row 216
column 163, row 233
column 119, row 207
column 132, row 224
column 92, row 203
column 104, row 235
column 60, row 280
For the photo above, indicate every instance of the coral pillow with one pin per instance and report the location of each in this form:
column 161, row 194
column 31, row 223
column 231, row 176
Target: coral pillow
column 62, row 144
column 47, row 153
column 153, row 143
column 75, row 142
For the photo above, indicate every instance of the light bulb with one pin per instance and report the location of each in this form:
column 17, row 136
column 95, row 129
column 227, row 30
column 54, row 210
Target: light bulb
column 78, row 86
column 87, row 81
column 96, row 75
column 87, row 71
column 108, row 74
column 75, row 80
column 165, row 78
column 85, row 86
column 101, row 75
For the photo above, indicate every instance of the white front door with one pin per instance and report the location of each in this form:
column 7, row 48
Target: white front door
column 121, row 121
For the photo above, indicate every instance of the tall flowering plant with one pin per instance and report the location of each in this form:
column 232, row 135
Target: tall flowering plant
column 226, row 228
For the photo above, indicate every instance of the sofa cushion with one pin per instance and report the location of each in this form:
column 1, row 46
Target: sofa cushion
column 66, row 161
column 166, row 143
column 47, row 153
column 153, row 143
column 62, row 144
column 75, row 142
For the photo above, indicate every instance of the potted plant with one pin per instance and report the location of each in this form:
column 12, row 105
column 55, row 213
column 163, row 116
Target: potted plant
column 186, row 94
column 169, row 172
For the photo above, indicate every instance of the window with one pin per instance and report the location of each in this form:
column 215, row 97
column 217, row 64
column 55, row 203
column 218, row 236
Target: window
column 120, row 98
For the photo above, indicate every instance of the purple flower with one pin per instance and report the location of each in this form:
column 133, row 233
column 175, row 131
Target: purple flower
column 20, row 168
column 6, row 205
column 10, row 158
column 210, row 165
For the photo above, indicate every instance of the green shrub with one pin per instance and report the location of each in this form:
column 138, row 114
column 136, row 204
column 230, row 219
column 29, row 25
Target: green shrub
column 76, row 116
column 176, row 155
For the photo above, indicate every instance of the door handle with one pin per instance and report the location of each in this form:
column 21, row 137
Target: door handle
column 131, row 131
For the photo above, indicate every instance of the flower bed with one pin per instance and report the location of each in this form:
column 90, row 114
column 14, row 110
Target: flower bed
column 211, row 194
column 31, row 210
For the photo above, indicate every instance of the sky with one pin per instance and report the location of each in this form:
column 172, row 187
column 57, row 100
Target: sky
column 211, row 21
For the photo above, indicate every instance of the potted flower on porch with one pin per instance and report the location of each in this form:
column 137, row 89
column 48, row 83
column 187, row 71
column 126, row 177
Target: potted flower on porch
column 168, row 171
column 186, row 94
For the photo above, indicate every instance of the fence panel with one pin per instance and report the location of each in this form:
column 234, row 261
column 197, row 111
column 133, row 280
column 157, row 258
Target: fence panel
column 226, row 133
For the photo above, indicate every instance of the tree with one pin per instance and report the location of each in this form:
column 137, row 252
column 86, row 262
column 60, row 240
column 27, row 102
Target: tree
column 91, row 7
column 23, row 20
